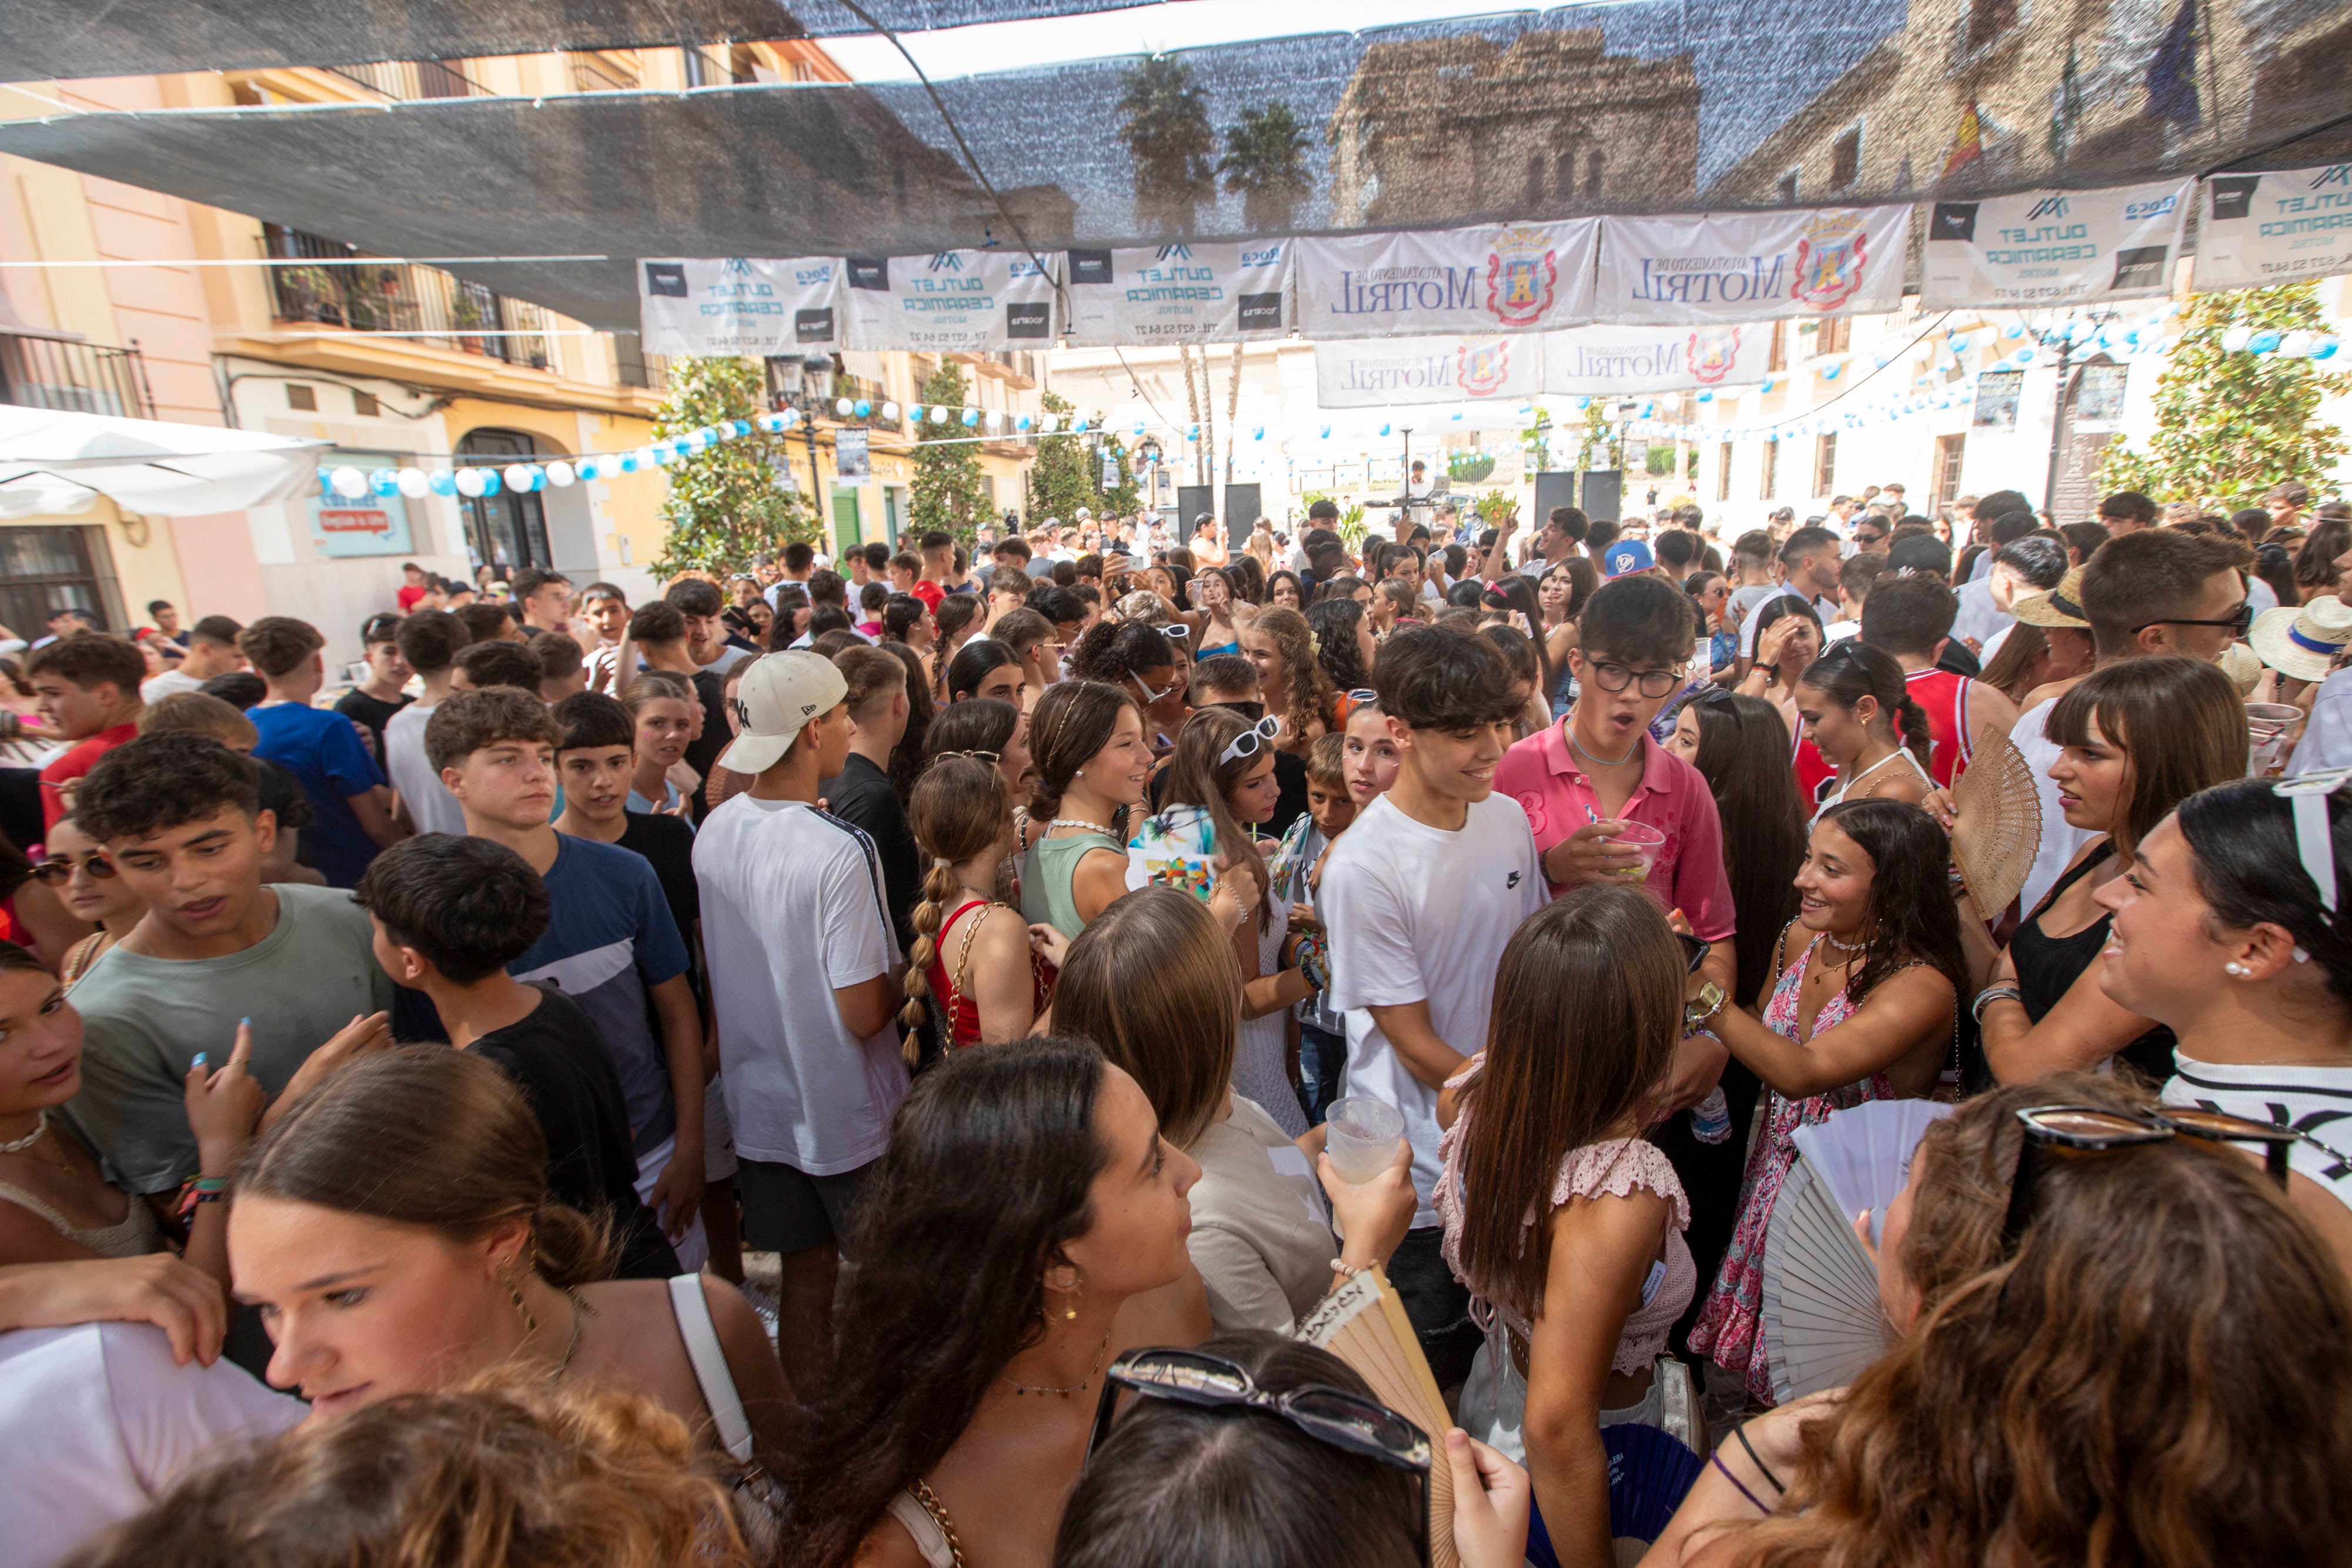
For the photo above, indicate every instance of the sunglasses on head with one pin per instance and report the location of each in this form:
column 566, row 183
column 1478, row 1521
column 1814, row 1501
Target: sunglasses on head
column 1250, row 741
column 2087, row 1129
column 58, row 870
column 1349, row 1422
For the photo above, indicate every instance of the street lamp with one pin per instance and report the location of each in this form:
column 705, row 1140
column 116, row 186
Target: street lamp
column 808, row 389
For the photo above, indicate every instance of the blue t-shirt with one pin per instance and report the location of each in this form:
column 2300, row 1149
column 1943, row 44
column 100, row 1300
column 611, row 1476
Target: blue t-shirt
column 326, row 756
column 609, row 939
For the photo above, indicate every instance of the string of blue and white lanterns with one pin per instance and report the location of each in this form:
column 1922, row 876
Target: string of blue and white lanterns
column 351, row 483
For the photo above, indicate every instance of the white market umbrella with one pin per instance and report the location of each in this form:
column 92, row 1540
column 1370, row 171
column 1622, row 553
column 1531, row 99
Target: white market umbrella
column 56, row 461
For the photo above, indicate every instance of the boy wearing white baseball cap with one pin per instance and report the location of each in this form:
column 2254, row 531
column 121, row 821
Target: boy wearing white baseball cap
column 797, row 933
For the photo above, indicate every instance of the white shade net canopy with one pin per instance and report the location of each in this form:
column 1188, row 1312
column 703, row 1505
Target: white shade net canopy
column 53, row 462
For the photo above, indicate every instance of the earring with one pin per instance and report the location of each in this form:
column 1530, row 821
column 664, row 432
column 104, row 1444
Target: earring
column 514, row 1295
column 1081, row 773
column 2234, row 967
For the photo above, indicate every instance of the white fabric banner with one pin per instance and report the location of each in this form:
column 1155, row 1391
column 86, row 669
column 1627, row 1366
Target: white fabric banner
column 1374, row 373
column 2283, row 226
column 956, row 301
column 1177, row 293
column 2054, row 247
column 1609, row 360
column 1752, row 266
column 1509, row 277
column 738, row 305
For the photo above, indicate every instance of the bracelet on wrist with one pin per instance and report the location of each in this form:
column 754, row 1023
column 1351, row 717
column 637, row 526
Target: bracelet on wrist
column 1992, row 994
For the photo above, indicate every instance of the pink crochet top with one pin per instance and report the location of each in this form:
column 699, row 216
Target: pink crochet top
column 1613, row 1168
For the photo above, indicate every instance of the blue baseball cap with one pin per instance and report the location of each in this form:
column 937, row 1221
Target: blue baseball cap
column 1627, row 557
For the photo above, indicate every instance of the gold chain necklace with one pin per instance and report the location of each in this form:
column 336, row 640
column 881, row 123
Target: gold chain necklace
column 939, row 1512
column 1101, row 1355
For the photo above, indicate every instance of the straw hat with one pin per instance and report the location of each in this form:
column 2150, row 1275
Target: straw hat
column 2061, row 606
column 2243, row 666
column 2302, row 642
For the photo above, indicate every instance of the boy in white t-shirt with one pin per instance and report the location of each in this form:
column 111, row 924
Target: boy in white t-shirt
column 796, row 937
column 1420, row 897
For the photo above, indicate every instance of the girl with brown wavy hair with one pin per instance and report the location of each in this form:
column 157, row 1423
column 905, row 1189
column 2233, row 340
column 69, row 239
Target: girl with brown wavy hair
column 395, row 1231
column 1564, row 1221
column 2159, row 1372
column 1279, row 643
column 990, row 971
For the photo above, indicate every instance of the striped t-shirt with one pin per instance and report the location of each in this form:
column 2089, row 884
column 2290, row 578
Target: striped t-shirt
column 2316, row 1101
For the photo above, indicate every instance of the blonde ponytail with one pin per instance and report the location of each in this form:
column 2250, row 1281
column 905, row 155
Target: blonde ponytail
column 940, row 886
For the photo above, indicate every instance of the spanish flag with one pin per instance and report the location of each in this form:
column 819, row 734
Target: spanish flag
column 1969, row 146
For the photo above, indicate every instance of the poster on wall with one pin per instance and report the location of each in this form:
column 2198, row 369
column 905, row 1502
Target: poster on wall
column 1374, row 373
column 1752, row 266
column 371, row 525
column 1602, row 360
column 851, row 456
column 1177, row 293
column 2283, row 226
column 1510, row 278
column 1997, row 393
column 952, row 301
column 2054, row 247
column 738, row 305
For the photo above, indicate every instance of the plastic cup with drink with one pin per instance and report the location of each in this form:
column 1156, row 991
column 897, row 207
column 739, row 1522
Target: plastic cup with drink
column 2266, row 730
column 1360, row 1136
column 1645, row 840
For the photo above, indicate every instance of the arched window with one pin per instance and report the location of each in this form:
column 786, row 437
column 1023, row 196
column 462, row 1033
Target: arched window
column 505, row 532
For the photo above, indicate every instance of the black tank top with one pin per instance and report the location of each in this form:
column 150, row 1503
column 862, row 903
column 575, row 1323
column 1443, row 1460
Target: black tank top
column 2047, row 965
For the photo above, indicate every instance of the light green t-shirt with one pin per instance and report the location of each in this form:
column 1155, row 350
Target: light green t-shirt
column 143, row 1020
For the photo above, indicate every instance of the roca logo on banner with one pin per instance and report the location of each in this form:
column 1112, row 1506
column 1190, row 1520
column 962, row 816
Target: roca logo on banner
column 1521, row 273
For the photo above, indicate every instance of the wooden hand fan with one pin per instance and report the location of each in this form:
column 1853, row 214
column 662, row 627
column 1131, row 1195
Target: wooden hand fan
column 1363, row 1323
column 1998, row 829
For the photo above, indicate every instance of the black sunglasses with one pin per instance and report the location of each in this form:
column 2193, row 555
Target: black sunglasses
column 2089, row 1129
column 1349, row 1422
column 2238, row 622
column 58, row 870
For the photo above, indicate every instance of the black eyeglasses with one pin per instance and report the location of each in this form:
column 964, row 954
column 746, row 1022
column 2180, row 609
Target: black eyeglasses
column 1349, row 1422
column 2239, row 620
column 58, row 870
column 2090, row 1129
column 1611, row 677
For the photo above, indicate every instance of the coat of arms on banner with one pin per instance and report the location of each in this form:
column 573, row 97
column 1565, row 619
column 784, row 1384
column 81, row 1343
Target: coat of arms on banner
column 1713, row 354
column 1829, row 259
column 1520, row 274
column 1481, row 365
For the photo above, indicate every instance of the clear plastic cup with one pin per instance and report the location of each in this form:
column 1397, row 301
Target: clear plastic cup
column 2266, row 729
column 1640, row 836
column 1361, row 1138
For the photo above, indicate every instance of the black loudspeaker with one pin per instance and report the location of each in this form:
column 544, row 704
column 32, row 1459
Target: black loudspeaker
column 1603, row 494
column 1552, row 490
column 1241, row 512
column 1192, row 501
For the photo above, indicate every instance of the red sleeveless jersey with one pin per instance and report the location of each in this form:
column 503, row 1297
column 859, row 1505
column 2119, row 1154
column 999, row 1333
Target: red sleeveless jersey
column 1944, row 695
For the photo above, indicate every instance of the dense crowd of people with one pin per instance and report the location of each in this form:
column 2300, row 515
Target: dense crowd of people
column 899, row 1059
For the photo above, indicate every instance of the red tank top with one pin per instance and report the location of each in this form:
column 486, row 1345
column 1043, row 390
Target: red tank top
column 963, row 1013
column 1944, row 695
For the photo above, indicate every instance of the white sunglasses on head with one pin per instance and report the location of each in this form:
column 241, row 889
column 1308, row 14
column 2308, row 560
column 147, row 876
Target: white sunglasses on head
column 1250, row 741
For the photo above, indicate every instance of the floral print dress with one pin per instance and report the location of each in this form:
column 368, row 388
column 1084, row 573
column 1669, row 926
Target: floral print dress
column 1730, row 1329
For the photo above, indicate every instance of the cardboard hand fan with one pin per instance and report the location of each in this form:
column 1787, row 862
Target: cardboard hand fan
column 1363, row 1323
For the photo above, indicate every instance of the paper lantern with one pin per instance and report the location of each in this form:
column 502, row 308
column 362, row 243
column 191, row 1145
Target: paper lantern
column 470, row 483
column 516, row 476
column 412, row 483
column 864, row 408
column 349, row 483
column 2262, row 342
column 441, row 482
column 384, row 482
column 971, row 418
column 2235, row 339
column 890, row 410
column 490, row 482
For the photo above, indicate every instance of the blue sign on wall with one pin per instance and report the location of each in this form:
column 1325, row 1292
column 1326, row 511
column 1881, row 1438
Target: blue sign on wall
column 371, row 525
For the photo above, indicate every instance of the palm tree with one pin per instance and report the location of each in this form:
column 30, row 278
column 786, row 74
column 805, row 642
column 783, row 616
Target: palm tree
column 1166, row 127
column 1265, row 165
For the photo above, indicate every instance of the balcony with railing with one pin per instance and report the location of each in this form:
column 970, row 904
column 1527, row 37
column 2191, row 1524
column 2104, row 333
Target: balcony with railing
column 334, row 285
column 49, row 371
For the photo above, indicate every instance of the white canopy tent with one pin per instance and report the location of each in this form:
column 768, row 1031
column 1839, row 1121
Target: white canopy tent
column 56, row 462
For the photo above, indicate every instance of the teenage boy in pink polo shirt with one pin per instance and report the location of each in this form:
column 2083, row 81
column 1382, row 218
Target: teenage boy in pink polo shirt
column 1580, row 781
column 1583, row 778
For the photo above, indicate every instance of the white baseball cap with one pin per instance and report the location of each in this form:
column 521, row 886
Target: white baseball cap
column 774, row 701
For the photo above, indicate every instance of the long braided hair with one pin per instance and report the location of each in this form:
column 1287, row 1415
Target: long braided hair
column 959, row 810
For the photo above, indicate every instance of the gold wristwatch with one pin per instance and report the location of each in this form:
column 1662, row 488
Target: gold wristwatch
column 1701, row 1008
